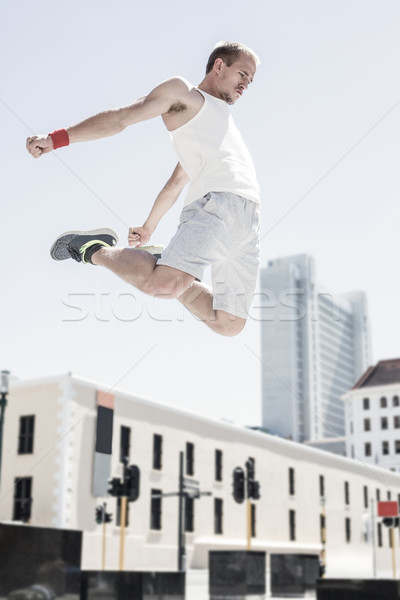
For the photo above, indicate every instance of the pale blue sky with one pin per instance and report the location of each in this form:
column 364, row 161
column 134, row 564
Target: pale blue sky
column 329, row 75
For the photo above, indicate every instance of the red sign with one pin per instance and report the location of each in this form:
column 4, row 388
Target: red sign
column 388, row 509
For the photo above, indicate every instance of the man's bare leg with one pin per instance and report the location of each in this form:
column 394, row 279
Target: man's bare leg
column 138, row 268
column 198, row 299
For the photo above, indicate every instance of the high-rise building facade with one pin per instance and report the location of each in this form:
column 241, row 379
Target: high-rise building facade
column 315, row 345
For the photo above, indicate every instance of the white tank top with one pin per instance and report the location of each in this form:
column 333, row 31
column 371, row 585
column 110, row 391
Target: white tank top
column 213, row 153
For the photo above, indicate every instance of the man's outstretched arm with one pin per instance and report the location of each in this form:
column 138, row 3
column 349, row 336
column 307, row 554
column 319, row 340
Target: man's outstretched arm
column 111, row 122
column 164, row 201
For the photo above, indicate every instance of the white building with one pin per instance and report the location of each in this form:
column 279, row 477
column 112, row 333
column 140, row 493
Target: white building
column 315, row 345
column 373, row 416
column 55, row 430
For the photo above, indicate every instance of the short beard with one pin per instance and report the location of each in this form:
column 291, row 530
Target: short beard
column 227, row 98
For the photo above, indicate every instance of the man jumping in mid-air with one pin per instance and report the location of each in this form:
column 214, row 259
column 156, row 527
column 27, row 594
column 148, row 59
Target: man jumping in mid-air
column 219, row 224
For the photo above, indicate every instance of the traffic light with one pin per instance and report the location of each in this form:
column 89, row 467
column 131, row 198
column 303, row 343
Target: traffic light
column 391, row 521
column 132, row 483
column 102, row 516
column 238, row 485
column 99, row 515
column 114, row 487
column 254, row 489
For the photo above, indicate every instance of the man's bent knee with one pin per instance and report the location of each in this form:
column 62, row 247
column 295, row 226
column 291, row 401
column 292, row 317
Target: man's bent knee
column 229, row 327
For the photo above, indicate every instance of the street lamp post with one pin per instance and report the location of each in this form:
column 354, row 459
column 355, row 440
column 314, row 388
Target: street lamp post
column 4, row 379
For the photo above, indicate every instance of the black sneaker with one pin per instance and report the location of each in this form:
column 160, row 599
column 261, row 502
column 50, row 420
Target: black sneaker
column 81, row 245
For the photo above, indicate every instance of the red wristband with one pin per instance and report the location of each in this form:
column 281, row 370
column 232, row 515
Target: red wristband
column 60, row 138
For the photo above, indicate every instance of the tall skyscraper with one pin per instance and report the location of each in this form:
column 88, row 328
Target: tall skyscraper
column 315, row 345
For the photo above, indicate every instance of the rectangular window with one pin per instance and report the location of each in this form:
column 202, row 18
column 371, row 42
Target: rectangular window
column 189, row 514
column 365, row 496
column 292, row 525
column 385, row 447
column 378, row 495
column 189, row 458
column 218, row 465
column 22, row 499
column 384, row 423
column 155, row 510
column 218, row 515
column 397, row 446
column 253, row 520
column 395, row 401
column 346, row 493
column 348, row 529
column 396, row 422
column 365, row 403
column 380, row 541
column 26, row 433
column 125, row 443
column 118, row 517
column 291, row 482
column 321, row 486
column 388, row 495
column 367, row 424
column 367, row 449
column 157, row 451
column 383, row 402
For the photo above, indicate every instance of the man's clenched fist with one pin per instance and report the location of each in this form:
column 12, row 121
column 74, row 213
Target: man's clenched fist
column 39, row 144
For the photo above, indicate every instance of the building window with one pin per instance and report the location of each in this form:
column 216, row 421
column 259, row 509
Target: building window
column 346, row 493
column 380, row 541
column 365, row 403
column 395, row 401
column 156, row 510
column 218, row 515
column 22, row 499
column 384, row 423
column 396, row 422
column 253, row 520
column 157, row 451
column 125, row 443
column 367, row 424
column 118, row 517
column 388, row 495
column 397, row 446
column 367, row 449
column 365, row 496
column 383, row 402
column 291, row 482
column 385, row 447
column 189, row 458
column 321, row 486
column 353, row 453
column 348, row 529
column 378, row 495
column 189, row 514
column 26, row 432
column 218, row 465
column 292, row 525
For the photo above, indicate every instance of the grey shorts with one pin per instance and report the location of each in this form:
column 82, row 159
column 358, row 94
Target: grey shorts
column 222, row 230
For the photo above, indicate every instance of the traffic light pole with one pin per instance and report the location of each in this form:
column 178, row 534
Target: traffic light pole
column 248, row 524
column 122, row 533
column 103, row 556
column 393, row 552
